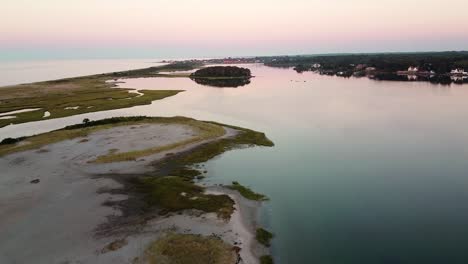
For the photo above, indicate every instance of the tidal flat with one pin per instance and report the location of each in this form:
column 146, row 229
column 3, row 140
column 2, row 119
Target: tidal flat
column 125, row 210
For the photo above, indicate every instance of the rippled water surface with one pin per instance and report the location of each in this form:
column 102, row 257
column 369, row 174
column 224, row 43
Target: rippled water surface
column 362, row 171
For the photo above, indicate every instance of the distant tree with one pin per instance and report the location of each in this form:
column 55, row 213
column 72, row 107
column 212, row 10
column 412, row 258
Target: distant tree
column 86, row 121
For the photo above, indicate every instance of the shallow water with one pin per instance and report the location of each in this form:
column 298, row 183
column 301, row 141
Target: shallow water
column 362, row 171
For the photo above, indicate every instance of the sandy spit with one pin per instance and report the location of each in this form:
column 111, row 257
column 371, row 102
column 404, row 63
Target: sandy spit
column 51, row 203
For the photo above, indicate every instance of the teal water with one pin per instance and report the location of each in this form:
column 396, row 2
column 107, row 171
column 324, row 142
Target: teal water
column 362, row 171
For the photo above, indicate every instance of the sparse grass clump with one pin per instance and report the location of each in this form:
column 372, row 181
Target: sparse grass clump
column 189, row 249
column 172, row 193
column 247, row 192
column 266, row 259
column 263, row 236
column 186, row 172
column 115, row 245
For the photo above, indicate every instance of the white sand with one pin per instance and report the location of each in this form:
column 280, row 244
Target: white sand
column 20, row 111
column 7, row 117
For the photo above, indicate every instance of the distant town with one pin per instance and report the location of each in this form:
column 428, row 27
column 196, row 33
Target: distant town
column 435, row 67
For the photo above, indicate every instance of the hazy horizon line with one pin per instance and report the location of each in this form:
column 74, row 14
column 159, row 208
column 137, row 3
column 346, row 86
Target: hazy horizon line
column 45, row 57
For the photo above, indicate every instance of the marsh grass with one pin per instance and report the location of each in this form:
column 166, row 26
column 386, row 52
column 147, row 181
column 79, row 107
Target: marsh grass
column 173, row 193
column 263, row 236
column 91, row 93
column 247, row 192
column 266, row 259
column 189, row 248
column 186, row 172
column 244, row 137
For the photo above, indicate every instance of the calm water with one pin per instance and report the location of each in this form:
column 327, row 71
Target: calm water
column 362, row 171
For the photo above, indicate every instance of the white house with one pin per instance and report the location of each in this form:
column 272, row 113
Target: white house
column 459, row 71
column 413, row 69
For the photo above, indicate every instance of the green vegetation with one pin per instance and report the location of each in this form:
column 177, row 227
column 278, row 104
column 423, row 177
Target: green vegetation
column 89, row 93
column 263, row 236
column 188, row 248
column 266, row 259
column 441, row 62
column 172, row 193
column 9, row 141
column 187, row 173
column 246, row 192
column 114, row 120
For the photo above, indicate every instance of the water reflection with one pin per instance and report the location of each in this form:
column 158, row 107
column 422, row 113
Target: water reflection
column 222, row 83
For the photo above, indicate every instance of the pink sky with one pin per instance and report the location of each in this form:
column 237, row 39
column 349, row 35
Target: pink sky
column 242, row 27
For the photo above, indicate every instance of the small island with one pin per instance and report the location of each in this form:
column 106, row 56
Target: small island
column 222, row 76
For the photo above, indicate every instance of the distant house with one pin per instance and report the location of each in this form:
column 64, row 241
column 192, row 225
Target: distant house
column 316, row 65
column 458, row 72
column 412, row 71
column 371, row 69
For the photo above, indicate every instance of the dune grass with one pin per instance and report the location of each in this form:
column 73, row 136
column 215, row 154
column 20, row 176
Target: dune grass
column 173, row 193
column 189, row 248
column 247, row 192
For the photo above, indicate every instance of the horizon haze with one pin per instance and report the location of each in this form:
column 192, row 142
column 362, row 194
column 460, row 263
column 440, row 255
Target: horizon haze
column 52, row 29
